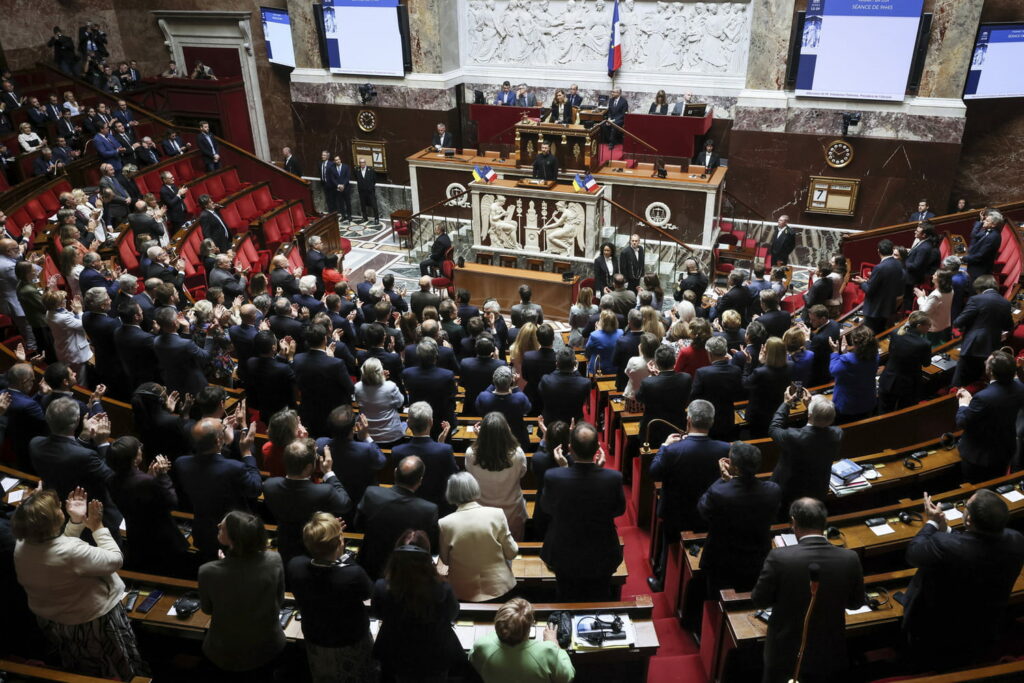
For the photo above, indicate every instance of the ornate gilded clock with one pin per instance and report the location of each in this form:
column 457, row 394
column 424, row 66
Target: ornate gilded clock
column 839, row 154
column 366, row 120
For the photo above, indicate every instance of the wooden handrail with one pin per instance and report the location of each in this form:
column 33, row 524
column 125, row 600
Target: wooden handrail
column 647, row 224
column 455, row 196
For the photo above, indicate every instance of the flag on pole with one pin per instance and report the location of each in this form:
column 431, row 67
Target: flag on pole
column 589, row 184
column 615, row 44
column 485, row 174
column 577, row 183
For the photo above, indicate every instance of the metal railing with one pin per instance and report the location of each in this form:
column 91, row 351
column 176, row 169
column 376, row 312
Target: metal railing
column 452, row 213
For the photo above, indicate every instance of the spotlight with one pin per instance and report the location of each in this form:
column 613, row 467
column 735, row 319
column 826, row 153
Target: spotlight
column 850, row 119
column 367, row 92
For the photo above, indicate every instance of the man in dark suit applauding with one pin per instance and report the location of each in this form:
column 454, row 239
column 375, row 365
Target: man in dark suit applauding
column 686, row 465
column 322, row 380
column 432, row 384
column 739, row 509
column 962, row 579
column 564, row 392
column 664, row 394
column 173, row 198
column 631, row 262
column 385, row 513
column 582, row 546
column 984, row 247
column 721, row 383
column 989, row 421
column 806, row 453
column 982, row 322
column 785, row 586
column 366, row 183
column 214, row 227
column 294, row 498
column 270, row 383
column 537, row 364
column 883, row 289
column 783, row 242
column 437, row 456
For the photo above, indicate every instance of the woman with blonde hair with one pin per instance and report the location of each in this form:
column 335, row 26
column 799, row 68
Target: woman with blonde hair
column 498, row 463
column 28, row 139
column 70, row 103
column 765, row 386
column 580, row 314
column 651, row 322
column 525, row 341
column 731, row 326
column 638, row 367
column 69, row 339
column 600, row 348
column 380, row 400
column 512, row 654
column 73, row 587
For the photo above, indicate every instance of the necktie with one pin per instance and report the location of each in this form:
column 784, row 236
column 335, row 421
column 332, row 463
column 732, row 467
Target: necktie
column 117, row 186
column 177, row 147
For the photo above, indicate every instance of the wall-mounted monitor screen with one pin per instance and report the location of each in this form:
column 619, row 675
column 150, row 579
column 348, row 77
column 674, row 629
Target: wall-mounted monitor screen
column 363, row 37
column 277, row 31
column 996, row 63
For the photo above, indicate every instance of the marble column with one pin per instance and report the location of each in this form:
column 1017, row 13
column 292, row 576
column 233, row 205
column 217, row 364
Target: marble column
column 425, row 35
column 770, row 25
column 954, row 25
column 304, row 34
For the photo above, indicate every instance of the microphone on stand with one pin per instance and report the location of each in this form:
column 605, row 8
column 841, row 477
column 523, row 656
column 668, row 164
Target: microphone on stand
column 814, row 572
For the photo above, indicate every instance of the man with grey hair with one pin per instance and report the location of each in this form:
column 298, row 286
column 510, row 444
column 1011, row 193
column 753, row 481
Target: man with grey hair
column 508, row 401
column 160, row 267
column 173, row 197
column 961, row 284
column 91, row 276
column 283, row 278
column 622, row 299
column 100, row 327
column 214, row 227
column 222, row 275
column 806, row 453
column 315, row 260
column 306, row 298
column 686, row 464
column 721, row 383
column 438, row 456
column 363, row 288
column 494, row 322
column 127, row 284
column 67, row 462
column 986, row 239
column 146, row 153
column 427, row 382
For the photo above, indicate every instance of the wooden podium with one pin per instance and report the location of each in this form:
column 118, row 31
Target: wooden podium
column 574, row 146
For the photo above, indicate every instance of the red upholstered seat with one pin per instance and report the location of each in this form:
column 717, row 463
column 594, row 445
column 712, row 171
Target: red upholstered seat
column 246, row 207
column 264, row 200
column 232, row 183
column 271, row 232
column 192, row 202
column 215, row 187
column 295, row 260
column 16, row 220
column 346, row 245
column 184, row 171
column 126, row 251
column 853, row 296
column 447, row 279
column 299, row 217
column 50, row 269
column 230, row 215
column 50, row 202
column 36, row 211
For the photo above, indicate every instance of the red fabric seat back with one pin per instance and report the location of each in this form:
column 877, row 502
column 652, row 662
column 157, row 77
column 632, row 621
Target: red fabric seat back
column 49, row 270
column 295, row 260
column 50, row 202
column 246, row 207
column 231, row 182
column 126, row 251
column 263, row 199
column 192, row 202
column 215, row 187
column 16, row 220
column 230, row 215
column 298, row 217
column 36, row 211
column 184, row 171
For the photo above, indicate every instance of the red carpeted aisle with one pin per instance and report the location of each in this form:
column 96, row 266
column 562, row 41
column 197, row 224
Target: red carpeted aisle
column 677, row 660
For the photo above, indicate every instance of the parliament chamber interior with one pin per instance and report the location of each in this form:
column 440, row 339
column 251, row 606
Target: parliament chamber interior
column 512, row 340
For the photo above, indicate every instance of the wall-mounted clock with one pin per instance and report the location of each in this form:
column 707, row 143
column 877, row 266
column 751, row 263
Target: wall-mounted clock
column 366, row 120
column 839, row 154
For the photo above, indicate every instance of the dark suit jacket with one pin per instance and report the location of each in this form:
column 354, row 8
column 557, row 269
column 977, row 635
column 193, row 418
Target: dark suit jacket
column 25, row 421
column 982, row 252
column 389, row 360
column 696, row 282
column 626, row 346
column 293, row 501
column 475, row 375
column 442, row 243
column 782, row 244
column 134, row 348
column 989, row 424
column 143, row 225
column 216, row 230
column 230, row 282
column 207, row 146
column 563, row 395
column 153, row 538
column 439, row 460
column 291, row 164
column 617, row 109
column 270, row 385
column 90, row 277
column 686, row 469
column 700, row 160
column 765, row 388
column 583, row 501
column 631, row 267
column 148, row 309
column 665, row 396
column 356, row 463
column 176, row 212
column 985, row 317
column 603, row 278
column 281, row 277
column 100, row 329
column 822, row 350
column 339, row 176
column 324, row 384
column 777, row 322
column 819, row 292
column 739, row 513
column 215, row 485
column 901, row 378
column 784, row 586
column 921, row 262
column 64, row 462
column 383, row 514
column 446, row 140
column 436, row 386
column 536, row 364
column 805, row 461
column 445, row 358
column 883, row 288
column 242, row 338
column 419, row 300
column 737, row 299
column 182, row 363
column 367, row 185
column 721, row 383
column 284, row 326
column 950, row 568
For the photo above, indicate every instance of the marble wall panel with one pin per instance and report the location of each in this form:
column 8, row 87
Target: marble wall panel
column 25, row 28
column 954, row 25
column 769, row 44
column 304, row 34
column 388, row 96
column 991, row 168
column 874, row 124
column 425, row 35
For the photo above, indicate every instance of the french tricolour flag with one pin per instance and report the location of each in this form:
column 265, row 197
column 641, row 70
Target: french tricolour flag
column 615, row 44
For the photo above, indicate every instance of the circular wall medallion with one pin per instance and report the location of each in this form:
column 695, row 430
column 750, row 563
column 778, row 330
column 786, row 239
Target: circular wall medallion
column 366, row 120
column 454, row 189
column 658, row 213
column 839, row 154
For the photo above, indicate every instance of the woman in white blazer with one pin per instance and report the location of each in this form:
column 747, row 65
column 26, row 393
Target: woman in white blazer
column 69, row 339
column 475, row 544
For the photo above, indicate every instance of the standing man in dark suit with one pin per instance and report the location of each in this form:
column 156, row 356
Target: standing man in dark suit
column 989, row 421
column 100, row 327
column 564, row 392
column 901, row 383
column 664, row 394
column 322, row 380
column 134, row 346
column 982, row 323
column 64, row 462
column 776, row 322
column 356, row 459
column 173, row 198
column 214, row 227
column 984, row 246
column 284, row 276
column 739, row 509
column 291, row 162
column 437, row 456
column 208, row 147
column 883, row 290
column 692, row 280
column 616, row 113
column 270, row 386
column 431, row 384
column 631, row 262
column 146, row 153
column 366, row 183
column 820, row 290
column 582, row 545
column 475, row 373
column 537, row 364
column 806, row 453
column 423, row 298
column 338, row 176
column 708, row 158
column 442, row 138
column 962, row 579
column 221, row 275
column 783, row 242
column 385, row 513
column 686, row 465
column 213, row 484
column 182, row 364
column 330, row 189
column 442, row 243
column 293, row 498
column 821, row 331
column 243, row 338
column 921, row 261
column 627, row 346
column 545, row 165
column 785, row 587
column 737, row 299
column 721, row 383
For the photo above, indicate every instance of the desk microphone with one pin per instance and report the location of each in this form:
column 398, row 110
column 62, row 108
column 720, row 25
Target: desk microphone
column 814, row 573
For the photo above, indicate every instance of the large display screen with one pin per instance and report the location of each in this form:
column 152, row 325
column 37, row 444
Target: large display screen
column 858, row 49
column 277, row 31
column 363, row 37
column 996, row 63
